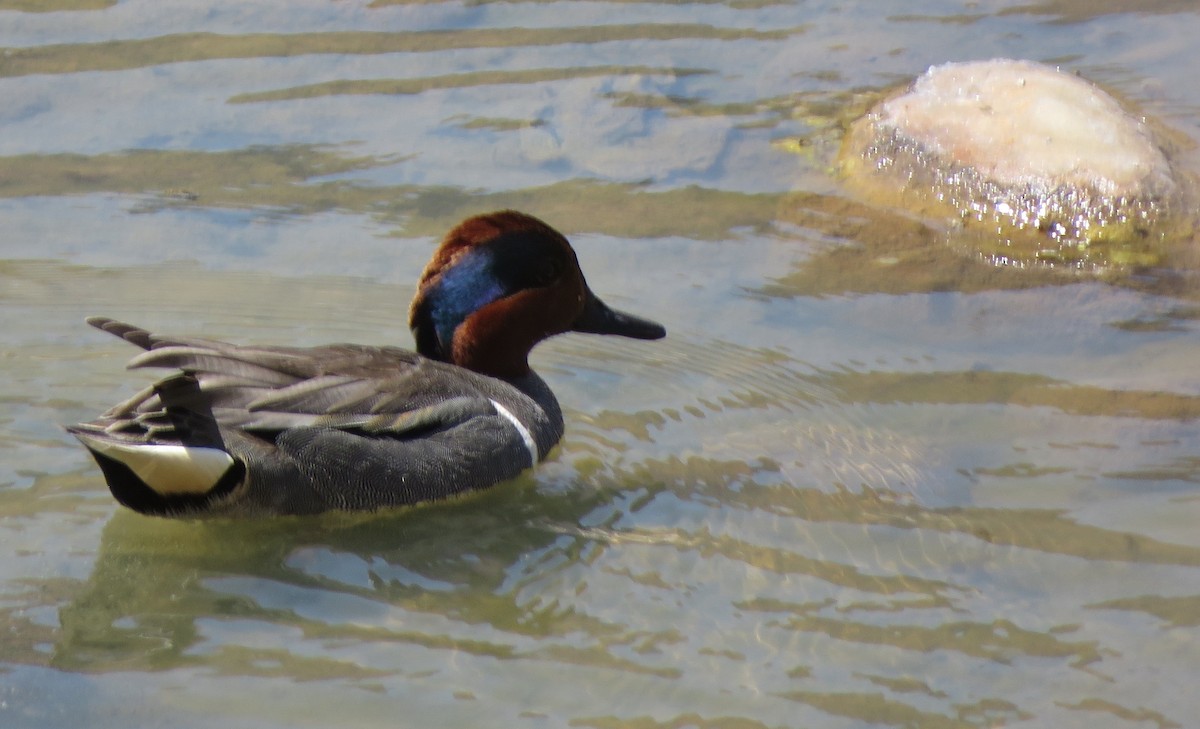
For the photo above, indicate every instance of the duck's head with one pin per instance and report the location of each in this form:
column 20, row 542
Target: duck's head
column 499, row 284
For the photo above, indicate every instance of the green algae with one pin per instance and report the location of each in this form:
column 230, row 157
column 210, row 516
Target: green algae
column 288, row 179
column 347, row 87
column 55, row 6
column 189, row 47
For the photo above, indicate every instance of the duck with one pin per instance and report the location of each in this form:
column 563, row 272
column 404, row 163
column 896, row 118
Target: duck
column 276, row 430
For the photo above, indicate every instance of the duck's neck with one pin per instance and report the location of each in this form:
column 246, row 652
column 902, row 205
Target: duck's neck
column 537, row 390
column 483, row 340
column 466, row 317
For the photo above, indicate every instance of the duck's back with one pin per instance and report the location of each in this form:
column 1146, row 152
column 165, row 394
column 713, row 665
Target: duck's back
column 285, row 430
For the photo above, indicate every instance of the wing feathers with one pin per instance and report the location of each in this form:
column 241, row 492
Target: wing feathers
column 328, row 393
column 207, row 361
column 378, row 390
column 134, row 335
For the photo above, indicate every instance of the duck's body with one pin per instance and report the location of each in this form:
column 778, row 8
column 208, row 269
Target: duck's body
column 308, row 430
column 282, row 430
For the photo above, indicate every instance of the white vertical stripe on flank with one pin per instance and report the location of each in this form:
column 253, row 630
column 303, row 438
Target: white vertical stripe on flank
column 530, row 443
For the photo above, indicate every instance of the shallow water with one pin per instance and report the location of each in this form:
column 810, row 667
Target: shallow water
column 867, row 481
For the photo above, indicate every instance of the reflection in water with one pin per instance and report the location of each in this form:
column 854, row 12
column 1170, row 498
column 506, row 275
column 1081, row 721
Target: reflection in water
column 1011, row 388
column 455, row 81
column 287, row 179
column 191, row 47
column 191, row 176
column 872, row 251
column 878, row 709
column 55, row 6
column 156, row 579
column 1079, row 11
column 1179, row 612
column 259, row 599
column 868, row 251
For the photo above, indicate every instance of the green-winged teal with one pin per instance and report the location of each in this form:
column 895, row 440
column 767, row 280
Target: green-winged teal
column 286, row 430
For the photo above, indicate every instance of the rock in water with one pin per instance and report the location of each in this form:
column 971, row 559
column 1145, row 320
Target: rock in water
column 1042, row 164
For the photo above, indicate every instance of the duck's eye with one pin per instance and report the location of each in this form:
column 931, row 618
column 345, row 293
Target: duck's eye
column 546, row 272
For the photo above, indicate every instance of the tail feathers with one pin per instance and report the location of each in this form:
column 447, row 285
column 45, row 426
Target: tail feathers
column 170, row 460
column 162, row 479
column 128, row 332
column 189, row 411
column 166, row 469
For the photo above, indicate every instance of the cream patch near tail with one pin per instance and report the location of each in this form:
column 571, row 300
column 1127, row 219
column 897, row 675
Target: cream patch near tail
column 170, row 470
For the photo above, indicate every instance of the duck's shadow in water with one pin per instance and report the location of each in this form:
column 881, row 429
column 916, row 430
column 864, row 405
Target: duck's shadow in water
column 490, row 574
column 155, row 580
